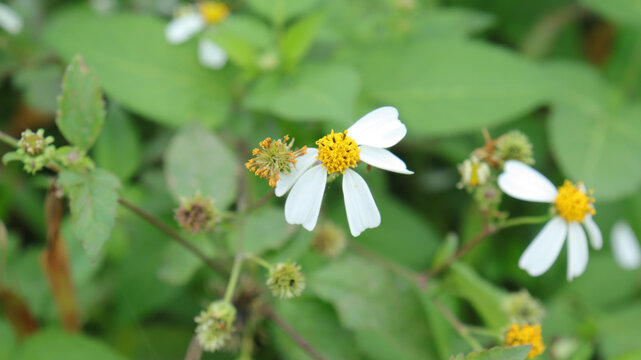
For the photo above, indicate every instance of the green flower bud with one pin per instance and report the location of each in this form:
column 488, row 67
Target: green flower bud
column 329, row 240
column 215, row 325
column 514, row 146
column 286, row 280
column 34, row 150
column 522, row 308
column 197, row 214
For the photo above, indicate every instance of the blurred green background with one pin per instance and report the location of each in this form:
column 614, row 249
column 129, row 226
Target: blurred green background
column 566, row 73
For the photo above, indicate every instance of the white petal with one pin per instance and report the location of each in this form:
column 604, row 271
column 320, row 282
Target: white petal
column 379, row 128
column 383, row 159
column 577, row 251
column 594, row 233
column 303, row 163
column 625, row 246
column 182, row 28
column 304, row 201
column 361, row 209
column 523, row 182
column 10, row 20
column 545, row 248
column 211, row 54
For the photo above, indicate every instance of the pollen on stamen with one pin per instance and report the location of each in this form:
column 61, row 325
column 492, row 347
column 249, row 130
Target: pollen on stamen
column 338, row 152
column 573, row 203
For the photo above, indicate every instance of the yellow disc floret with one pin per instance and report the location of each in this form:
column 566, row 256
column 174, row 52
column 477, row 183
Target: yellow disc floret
column 526, row 335
column 338, row 152
column 213, row 12
column 572, row 203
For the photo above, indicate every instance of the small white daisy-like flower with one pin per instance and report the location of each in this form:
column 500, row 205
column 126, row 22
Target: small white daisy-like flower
column 625, row 246
column 194, row 19
column 366, row 140
column 10, row 21
column 573, row 206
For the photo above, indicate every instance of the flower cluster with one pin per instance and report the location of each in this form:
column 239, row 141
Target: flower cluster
column 34, row 150
column 215, row 325
column 526, row 335
column 197, row 214
column 274, row 158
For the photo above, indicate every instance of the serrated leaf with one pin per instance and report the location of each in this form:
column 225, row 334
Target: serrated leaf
column 93, row 200
column 447, row 87
column 316, row 92
column 383, row 310
column 507, row 353
column 197, row 160
column 139, row 68
column 279, row 11
column 81, row 110
column 593, row 141
column 298, row 38
column 57, row 345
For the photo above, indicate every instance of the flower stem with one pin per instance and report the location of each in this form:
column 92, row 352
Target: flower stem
column 524, row 220
column 461, row 328
column 260, row 261
column 8, row 139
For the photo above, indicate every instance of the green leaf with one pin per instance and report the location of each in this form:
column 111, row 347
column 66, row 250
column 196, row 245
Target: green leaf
column 481, row 294
column 385, row 312
column 81, row 109
column 316, row 92
column 93, row 199
column 317, row 322
column 118, row 146
column 57, row 345
column 7, row 341
column 139, row 69
column 197, row 160
column 508, row 353
column 264, row 229
column 298, row 38
column 279, row 11
column 40, row 86
column 447, row 87
column 619, row 331
column 179, row 265
column 623, row 12
column 592, row 140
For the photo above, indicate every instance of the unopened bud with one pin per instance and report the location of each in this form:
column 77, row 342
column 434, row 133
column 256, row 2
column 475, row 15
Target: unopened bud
column 514, row 146
column 215, row 325
column 522, row 308
column 474, row 172
column 286, row 280
column 34, row 143
column 197, row 214
column 329, row 240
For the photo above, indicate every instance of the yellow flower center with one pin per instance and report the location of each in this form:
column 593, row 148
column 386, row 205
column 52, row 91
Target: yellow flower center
column 572, row 203
column 526, row 335
column 338, row 152
column 213, row 12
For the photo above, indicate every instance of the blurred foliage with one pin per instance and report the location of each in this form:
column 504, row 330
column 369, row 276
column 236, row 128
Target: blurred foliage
column 157, row 126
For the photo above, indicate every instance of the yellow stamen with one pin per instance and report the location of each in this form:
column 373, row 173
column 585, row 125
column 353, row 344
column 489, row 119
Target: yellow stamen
column 526, row 335
column 572, row 203
column 213, row 12
column 338, row 152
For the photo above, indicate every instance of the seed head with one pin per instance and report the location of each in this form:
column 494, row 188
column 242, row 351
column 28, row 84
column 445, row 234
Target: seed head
column 286, row 280
column 274, row 158
column 522, row 308
column 215, row 325
column 197, row 214
column 514, row 146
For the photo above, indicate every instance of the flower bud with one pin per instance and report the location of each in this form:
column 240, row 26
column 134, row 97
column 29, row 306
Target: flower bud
column 522, row 308
column 474, row 172
column 197, row 214
column 329, row 240
column 215, row 325
column 34, row 143
column 286, row 280
column 526, row 335
column 273, row 158
column 514, row 146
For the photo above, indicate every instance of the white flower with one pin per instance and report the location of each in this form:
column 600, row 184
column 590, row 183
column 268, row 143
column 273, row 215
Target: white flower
column 573, row 207
column 625, row 246
column 474, row 172
column 366, row 140
column 194, row 20
column 10, row 21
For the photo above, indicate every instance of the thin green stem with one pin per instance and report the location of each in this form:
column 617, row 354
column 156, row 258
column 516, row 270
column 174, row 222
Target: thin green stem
column 461, row 328
column 260, row 261
column 8, row 139
column 233, row 278
column 524, row 220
